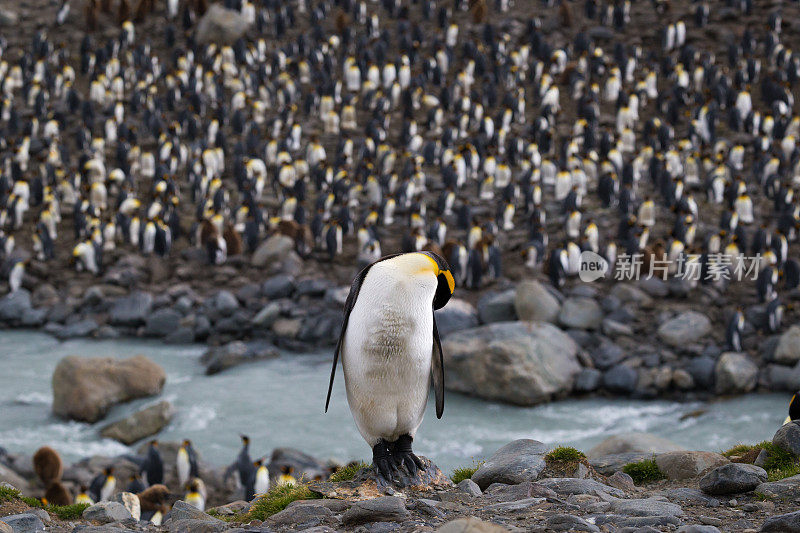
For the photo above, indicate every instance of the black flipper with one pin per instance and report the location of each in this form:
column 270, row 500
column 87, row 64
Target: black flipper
column 348, row 307
column 437, row 371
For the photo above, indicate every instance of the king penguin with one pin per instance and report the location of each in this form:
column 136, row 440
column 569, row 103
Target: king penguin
column 390, row 350
column 186, row 463
column 794, row 409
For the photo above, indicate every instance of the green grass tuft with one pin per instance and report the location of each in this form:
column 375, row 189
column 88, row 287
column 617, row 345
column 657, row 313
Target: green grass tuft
column 33, row 502
column 278, row 498
column 565, row 454
column 8, row 494
column 460, row 474
column 644, row 471
column 68, row 512
column 739, row 450
column 348, row 472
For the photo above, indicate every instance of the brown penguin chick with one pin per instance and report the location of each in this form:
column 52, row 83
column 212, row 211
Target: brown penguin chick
column 300, row 233
column 153, row 498
column 57, row 494
column 105, row 6
column 342, row 21
column 141, row 10
column 124, row 12
column 479, row 11
column 564, row 14
column 47, row 465
column 233, row 241
column 91, row 15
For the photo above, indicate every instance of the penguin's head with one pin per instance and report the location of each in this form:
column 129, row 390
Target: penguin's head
column 794, row 407
column 445, row 282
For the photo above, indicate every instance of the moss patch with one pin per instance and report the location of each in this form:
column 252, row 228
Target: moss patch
column 8, row 494
column 779, row 463
column 460, row 474
column 565, row 454
column 740, row 450
column 644, row 471
column 278, row 498
column 68, row 512
column 348, row 472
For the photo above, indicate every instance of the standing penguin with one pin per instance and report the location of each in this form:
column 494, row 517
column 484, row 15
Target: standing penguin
column 186, row 463
column 103, row 485
column 390, row 350
column 733, row 333
column 153, row 466
column 794, row 409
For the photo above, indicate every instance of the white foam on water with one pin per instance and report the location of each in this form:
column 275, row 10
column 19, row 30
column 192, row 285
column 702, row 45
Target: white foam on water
column 34, row 398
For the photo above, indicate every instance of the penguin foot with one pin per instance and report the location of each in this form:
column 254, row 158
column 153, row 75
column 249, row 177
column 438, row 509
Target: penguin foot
column 403, row 456
column 382, row 459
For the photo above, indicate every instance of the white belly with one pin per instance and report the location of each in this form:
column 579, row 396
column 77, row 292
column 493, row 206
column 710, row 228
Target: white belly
column 386, row 357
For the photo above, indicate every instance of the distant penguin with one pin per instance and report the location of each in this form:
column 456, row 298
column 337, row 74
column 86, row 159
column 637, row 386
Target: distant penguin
column 186, row 462
column 153, row 466
column 83, row 496
column 261, row 485
column 794, row 408
column 733, row 332
column 245, row 469
column 47, row 465
column 774, row 315
column 15, row 276
column 287, row 476
column 135, row 484
column 194, row 497
column 103, row 485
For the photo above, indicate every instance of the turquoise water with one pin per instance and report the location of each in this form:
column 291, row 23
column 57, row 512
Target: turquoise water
column 280, row 402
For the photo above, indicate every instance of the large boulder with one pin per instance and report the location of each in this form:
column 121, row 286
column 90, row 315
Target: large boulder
column 497, row 307
column 221, row 26
column 787, row 438
column 141, row 424
column 162, row 322
column 533, row 302
column 735, row 373
column 523, row 363
column 782, row 523
column 788, row 349
column 274, row 248
column 85, row 388
column 686, row 465
column 106, row 512
column 733, row 478
column 516, row 462
column 131, row 310
column 633, row 443
column 14, row 305
column 686, row 328
column 23, row 523
column 455, row 316
column 580, row 313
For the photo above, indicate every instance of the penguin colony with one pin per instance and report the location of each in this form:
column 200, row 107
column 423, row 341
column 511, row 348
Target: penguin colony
column 361, row 128
column 148, row 483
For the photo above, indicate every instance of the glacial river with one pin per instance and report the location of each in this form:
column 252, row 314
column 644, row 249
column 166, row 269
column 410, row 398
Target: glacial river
column 280, row 402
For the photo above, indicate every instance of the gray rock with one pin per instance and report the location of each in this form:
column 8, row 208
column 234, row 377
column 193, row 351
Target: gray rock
column 182, row 335
column 8, row 17
column 23, row 523
column 77, row 330
column 33, row 318
column 220, row 358
column 497, row 307
column 702, row 371
column 523, row 363
column 783, row 378
column 224, row 303
column 735, row 373
column 14, row 305
column 606, row 354
column 627, row 292
column 533, row 302
column 470, row 525
column 686, row 328
column 267, row 316
column 633, row 442
column 223, row 26
column 183, row 511
column 615, row 462
column 189, row 525
column 732, row 478
column 301, row 516
column 622, row 481
column 568, row 522
column 646, row 507
column 784, row 489
column 687, row 465
column 107, row 512
column 470, row 487
column 5, row 528
column 682, row 380
column 612, row 328
column 687, row 496
column 85, row 388
column 517, row 461
column 277, row 246
column 131, row 503
column 383, row 509
column 280, row 286
column 456, row 316
column 655, row 287
column 517, row 505
column 144, row 423
column 131, row 311
column 787, row 351
column 570, row 485
column 787, row 438
column 784, row 523
column 500, row 492
column 580, row 313
column 313, row 287
column 587, row 380
column 620, row 379
column 162, row 322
